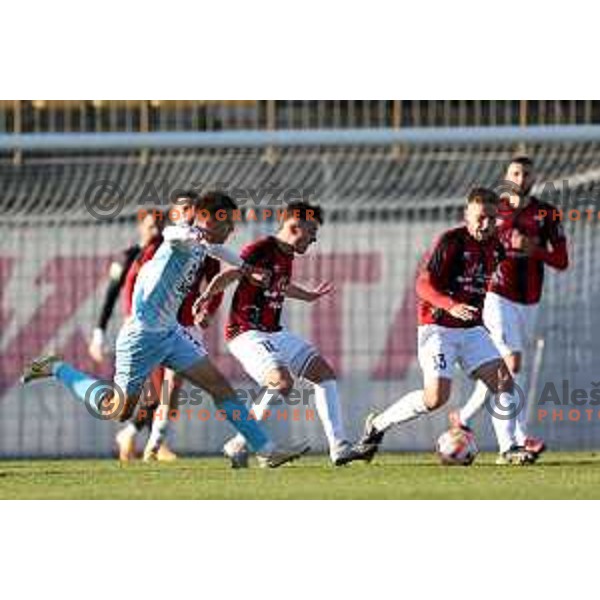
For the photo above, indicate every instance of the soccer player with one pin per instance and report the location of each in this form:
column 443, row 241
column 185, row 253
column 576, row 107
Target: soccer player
column 451, row 287
column 269, row 353
column 532, row 237
column 164, row 383
column 153, row 336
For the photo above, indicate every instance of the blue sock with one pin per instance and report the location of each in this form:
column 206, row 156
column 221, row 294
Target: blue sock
column 255, row 436
column 85, row 388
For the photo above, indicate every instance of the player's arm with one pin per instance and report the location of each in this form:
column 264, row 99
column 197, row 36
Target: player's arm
column 117, row 274
column 182, row 236
column 554, row 254
column 220, row 283
column 299, row 292
column 433, row 278
column 204, row 315
column 243, row 266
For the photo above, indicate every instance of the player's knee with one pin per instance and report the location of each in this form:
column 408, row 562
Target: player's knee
column 436, row 396
column 319, row 370
column 514, row 362
column 505, row 381
column 281, row 381
column 285, row 385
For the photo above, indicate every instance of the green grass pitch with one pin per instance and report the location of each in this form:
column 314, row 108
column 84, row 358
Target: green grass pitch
column 414, row 476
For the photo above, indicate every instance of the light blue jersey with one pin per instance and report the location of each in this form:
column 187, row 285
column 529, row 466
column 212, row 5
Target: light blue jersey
column 164, row 281
column 153, row 336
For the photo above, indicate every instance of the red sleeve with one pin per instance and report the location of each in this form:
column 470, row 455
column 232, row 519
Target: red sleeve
column 435, row 272
column 426, row 291
column 558, row 256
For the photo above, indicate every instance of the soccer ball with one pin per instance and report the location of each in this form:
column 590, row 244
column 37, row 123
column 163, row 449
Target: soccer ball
column 457, row 447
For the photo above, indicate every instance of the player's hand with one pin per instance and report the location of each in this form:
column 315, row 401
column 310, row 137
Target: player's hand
column 96, row 352
column 321, row 290
column 258, row 276
column 464, row 312
column 202, row 319
column 199, row 308
column 521, row 242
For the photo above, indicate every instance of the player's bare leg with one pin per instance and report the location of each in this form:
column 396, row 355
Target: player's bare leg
column 498, row 379
column 101, row 398
column 511, row 430
column 143, row 416
column 205, row 375
column 411, row 406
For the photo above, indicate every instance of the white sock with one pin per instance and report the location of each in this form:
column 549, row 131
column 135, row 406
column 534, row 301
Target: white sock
column 474, row 403
column 409, row 407
column 130, row 429
column 521, row 419
column 160, row 427
column 328, row 409
column 505, row 428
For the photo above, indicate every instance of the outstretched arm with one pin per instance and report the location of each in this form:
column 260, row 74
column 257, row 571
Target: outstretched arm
column 220, row 283
column 299, row 292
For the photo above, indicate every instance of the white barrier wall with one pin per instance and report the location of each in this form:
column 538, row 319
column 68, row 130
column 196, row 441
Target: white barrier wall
column 52, row 280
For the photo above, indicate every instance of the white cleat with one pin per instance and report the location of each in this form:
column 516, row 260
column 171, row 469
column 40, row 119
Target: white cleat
column 276, row 458
column 237, row 453
column 344, row 452
column 515, row 456
column 40, row 368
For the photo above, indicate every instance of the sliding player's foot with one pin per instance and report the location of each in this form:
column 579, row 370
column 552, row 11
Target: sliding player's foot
column 237, row 453
column 125, row 441
column 344, row 453
column 40, row 368
column 165, row 454
column 534, row 446
column 158, row 453
column 517, row 455
column 276, row 458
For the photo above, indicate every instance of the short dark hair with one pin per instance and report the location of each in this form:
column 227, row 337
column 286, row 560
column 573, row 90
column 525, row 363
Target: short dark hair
column 520, row 159
column 216, row 201
column 304, row 211
column 190, row 195
column 481, row 195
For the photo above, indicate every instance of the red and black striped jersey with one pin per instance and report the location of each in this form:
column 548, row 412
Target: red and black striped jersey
column 255, row 307
column 520, row 277
column 459, row 269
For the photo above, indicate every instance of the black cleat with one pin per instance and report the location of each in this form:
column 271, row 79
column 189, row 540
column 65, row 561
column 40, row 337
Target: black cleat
column 368, row 445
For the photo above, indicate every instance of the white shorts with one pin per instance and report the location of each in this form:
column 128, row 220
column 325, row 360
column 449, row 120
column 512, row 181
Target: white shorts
column 511, row 324
column 440, row 348
column 259, row 352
